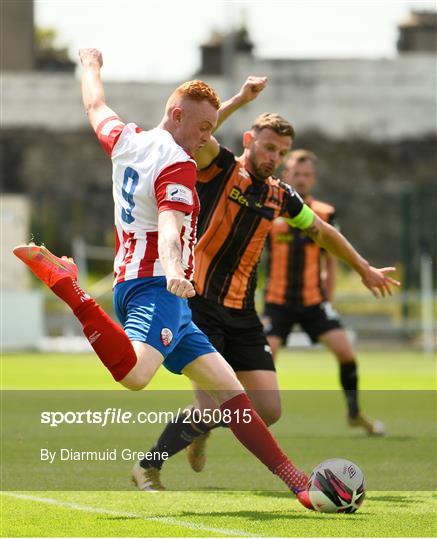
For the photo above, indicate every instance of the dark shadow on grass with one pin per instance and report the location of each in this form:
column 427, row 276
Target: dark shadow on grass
column 405, row 501
column 396, row 438
column 356, row 436
column 286, row 495
column 275, row 494
column 396, row 499
column 260, row 516
column 120, row 518
column 206, row 489
column 218, row 488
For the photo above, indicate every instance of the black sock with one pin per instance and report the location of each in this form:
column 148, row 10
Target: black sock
column 176, row 436
column 349, row 382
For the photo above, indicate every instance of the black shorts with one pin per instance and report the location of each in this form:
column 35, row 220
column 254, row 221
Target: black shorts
column 236, row 333
column 314, row 320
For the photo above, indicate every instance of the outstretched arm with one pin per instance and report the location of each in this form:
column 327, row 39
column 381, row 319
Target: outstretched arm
column 93, row 95
column 250, row 90
column 169, row 249
column 375, row 279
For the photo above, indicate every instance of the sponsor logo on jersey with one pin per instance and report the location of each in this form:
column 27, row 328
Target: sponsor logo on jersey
column 166, row 336
column 179, row 193
column 237, row 196
column 251, row 202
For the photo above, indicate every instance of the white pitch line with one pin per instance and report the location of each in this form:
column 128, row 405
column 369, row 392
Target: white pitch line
column 96, row 510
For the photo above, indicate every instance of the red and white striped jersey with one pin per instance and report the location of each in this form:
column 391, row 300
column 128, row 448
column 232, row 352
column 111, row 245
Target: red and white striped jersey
column 151, row 173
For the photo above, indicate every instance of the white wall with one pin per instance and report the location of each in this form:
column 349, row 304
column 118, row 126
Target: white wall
column 14, row 230
column 21, row 316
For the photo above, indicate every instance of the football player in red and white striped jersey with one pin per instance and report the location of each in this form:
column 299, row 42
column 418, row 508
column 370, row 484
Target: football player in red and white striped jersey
column 156, row 209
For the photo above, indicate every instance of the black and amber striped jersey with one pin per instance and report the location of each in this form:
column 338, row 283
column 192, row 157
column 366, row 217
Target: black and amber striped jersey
column 294, row 262
column 237, row 213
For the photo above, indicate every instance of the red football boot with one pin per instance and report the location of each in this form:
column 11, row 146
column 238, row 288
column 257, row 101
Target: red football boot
column 46, row 266
column 304, row 498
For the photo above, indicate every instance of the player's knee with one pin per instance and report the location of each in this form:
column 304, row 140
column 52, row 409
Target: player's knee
column 135, row 387
column 136, row 381
column 344, row 352
column 345, row 357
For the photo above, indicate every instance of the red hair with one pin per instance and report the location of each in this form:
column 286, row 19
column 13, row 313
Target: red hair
column 197, row 91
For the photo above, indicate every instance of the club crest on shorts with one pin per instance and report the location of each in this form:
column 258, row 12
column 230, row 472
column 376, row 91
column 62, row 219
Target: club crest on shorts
column 166, row 336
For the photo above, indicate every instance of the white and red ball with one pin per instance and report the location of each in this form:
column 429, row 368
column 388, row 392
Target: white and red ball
column 336, row 485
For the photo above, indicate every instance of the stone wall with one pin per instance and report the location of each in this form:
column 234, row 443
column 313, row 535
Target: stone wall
column 373, row 99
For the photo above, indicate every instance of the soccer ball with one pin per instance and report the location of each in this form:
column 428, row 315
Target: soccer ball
column 336, row 485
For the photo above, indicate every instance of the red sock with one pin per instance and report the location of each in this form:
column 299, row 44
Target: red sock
column 69, row 291
column 296, row 480
column 108, row 340
column 256, row 437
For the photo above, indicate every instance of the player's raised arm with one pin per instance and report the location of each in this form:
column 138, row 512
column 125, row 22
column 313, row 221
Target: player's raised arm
column 93, row 95
column 170, row 224
column 250, row 90
column 375, row 279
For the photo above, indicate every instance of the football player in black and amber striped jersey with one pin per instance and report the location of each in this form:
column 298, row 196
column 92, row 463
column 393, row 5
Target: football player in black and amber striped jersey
column 300, row 287
column 240, row 199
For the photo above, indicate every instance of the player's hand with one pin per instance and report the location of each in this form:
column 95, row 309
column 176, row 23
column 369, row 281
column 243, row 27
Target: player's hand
column 378, row 282
column 91, row 56
column 252, row 88
column 180, row 287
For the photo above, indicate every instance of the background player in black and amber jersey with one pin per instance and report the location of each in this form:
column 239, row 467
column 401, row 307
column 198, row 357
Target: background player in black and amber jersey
column 239, row 200
column 300, row 287
column 298, row 269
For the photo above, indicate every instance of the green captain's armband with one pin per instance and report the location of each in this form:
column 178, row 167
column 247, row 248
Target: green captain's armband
column 303, row 219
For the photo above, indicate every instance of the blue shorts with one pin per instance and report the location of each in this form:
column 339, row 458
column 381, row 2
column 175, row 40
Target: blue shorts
column 151, row 314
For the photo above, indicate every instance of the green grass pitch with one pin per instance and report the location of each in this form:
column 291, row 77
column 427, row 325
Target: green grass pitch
column 202, row 505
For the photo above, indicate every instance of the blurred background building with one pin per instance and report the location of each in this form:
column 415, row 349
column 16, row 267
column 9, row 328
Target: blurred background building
column 372, row 122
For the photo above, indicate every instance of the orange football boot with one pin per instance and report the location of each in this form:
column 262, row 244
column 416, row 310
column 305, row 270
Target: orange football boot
column 46, row 266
